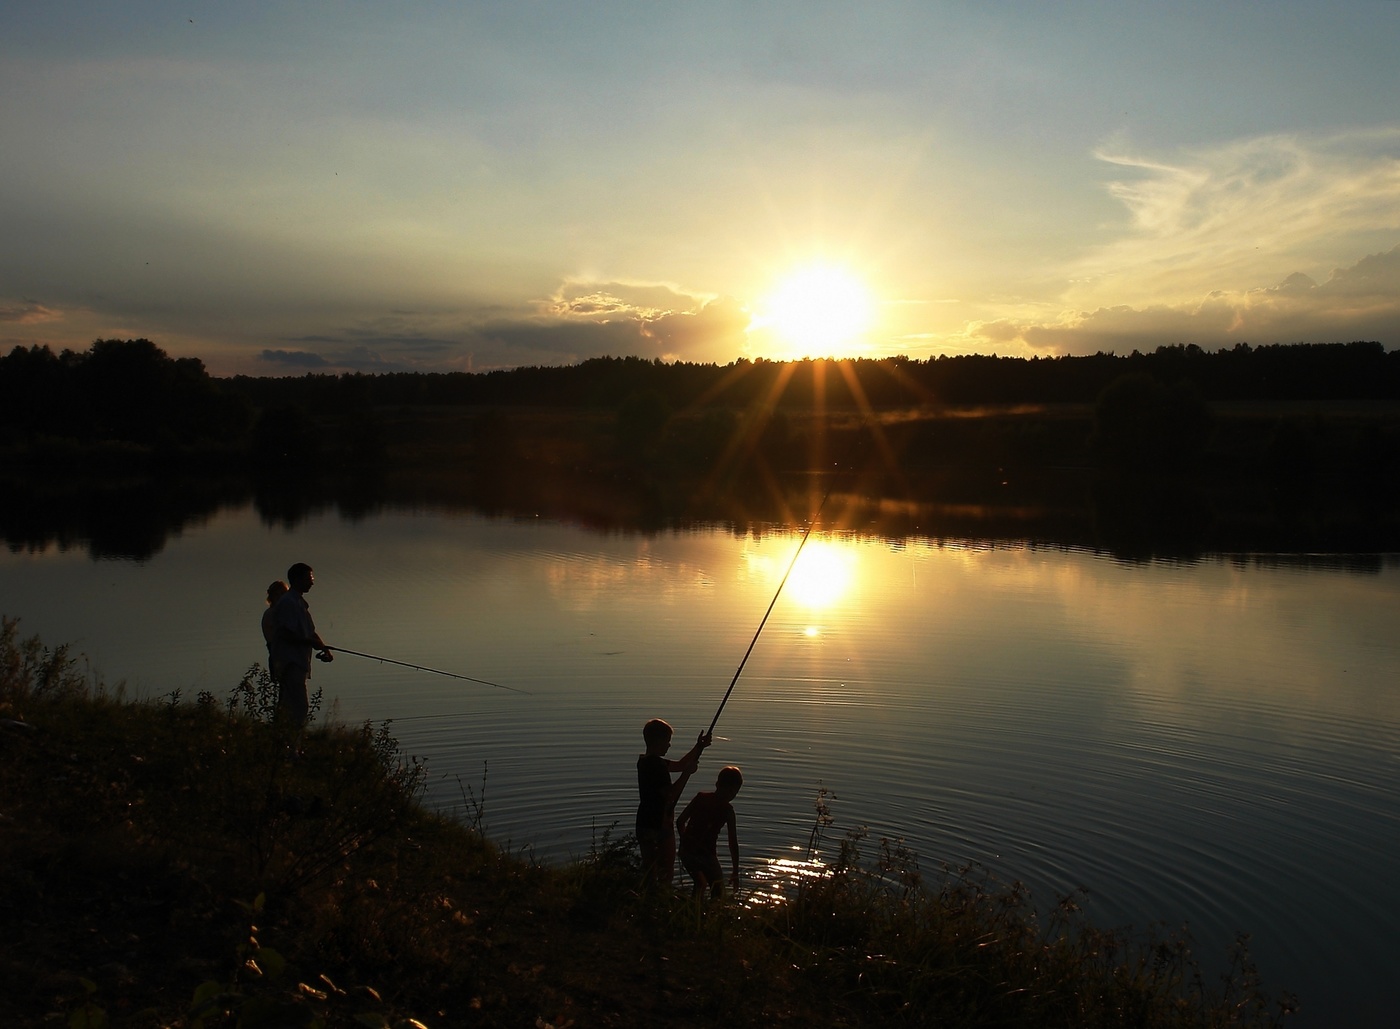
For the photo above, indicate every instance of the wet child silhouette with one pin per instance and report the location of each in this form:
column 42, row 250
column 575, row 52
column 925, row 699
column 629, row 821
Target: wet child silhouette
column 699, row 825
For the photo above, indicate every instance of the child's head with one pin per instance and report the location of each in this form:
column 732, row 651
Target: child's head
column 657, row 734
column 728, row 781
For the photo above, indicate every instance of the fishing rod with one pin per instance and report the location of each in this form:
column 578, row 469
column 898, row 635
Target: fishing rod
column 779, row 592
column 425, row 668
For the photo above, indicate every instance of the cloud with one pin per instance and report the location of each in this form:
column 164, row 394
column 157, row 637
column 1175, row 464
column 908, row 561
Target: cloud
column 1239, row 215
column 587, row 318
column 581, row 298
column 531, row 341
column 28, row 313
column 717, row 332
column 580, row 320
column 294, row 359
column 357, row 351
column 1255, row 241
column 1357, row 302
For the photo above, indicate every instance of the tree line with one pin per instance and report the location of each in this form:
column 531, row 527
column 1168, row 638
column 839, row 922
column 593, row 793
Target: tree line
column 117, row 391
column 1331, row 371
column 131, row 391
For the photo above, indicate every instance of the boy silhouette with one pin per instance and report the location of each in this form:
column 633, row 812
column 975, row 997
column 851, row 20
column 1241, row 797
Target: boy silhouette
column 656, row 810
column 699, row 825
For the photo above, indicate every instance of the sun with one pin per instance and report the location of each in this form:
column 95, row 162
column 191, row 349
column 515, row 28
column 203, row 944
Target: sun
column 818, row 310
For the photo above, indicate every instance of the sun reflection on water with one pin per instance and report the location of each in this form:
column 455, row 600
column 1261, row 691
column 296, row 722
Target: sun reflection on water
column 773, row 881
column 823, row 576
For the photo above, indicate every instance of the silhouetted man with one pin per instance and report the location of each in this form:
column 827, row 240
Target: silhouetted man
column 296, row 639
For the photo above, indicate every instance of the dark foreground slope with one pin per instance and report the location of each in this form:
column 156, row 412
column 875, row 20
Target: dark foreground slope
column 179, row 863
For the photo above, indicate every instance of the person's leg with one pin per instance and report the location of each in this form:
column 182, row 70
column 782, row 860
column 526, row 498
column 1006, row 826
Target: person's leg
column 713, row 875
column 293, row 707
column 694, row 865
column 666, row 856
column 649, row 843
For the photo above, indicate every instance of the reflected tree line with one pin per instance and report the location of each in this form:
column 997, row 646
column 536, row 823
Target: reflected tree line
column 1178, row 451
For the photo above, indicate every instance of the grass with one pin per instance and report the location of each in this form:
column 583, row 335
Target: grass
column 178, row 863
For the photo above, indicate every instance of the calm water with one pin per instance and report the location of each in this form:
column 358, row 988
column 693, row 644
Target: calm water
column 1216, row 743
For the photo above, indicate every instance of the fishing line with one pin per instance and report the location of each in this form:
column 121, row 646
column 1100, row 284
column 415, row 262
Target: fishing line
column 425, row 668
column 779, row 592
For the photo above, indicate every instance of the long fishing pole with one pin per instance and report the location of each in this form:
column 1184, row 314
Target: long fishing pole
column 425, row 668
column 779, row 592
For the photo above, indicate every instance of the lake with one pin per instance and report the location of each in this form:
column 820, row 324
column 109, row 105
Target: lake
column 1212, row 743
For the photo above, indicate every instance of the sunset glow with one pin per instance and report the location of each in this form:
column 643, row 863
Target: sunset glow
column 473, row 187
column 817, row 311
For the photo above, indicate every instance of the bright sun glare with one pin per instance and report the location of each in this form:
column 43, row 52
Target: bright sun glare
column 822, row 575
column 818, row 310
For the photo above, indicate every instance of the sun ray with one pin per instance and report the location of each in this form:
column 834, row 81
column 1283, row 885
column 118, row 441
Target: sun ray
column 869, row 417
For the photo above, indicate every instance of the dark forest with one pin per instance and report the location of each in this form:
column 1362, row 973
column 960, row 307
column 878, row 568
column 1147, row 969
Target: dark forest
column 1283, row 447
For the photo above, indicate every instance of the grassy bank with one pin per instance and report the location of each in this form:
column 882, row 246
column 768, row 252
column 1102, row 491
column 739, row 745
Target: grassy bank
column 182, row 862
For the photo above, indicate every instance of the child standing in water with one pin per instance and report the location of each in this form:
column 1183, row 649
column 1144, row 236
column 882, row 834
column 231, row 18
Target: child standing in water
column 656, row 810
column 699, row 826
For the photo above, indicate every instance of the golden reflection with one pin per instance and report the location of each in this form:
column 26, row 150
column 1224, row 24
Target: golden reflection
column 773, row 881
column 823, row 575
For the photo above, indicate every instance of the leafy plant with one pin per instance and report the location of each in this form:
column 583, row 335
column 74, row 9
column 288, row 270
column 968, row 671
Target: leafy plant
column 255, row 697
column 30, row 669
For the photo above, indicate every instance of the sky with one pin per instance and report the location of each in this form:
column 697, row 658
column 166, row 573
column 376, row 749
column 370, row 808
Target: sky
column 281, row 188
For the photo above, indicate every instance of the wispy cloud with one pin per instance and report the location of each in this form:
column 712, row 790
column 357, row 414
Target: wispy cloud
column 619, row 298
column 1244, row 215
column 28, row 313
column 1358, row 302
column 1259, row 241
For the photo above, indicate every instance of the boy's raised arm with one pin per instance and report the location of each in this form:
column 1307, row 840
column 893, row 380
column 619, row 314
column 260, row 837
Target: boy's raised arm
column 687, row 766
column 678, row 787
column 693, row 757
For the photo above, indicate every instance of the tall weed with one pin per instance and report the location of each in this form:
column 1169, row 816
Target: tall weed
column 28, row 669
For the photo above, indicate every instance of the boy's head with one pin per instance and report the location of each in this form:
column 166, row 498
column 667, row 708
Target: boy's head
column 728, row 781
column 657, row 734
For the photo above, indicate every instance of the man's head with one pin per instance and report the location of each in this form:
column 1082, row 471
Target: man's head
column 301, row 577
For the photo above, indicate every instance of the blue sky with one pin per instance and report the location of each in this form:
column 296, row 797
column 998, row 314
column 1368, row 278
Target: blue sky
column 277, row 188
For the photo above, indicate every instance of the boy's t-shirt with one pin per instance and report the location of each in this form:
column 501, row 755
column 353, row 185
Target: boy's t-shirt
column 708, row 815
column 654, row 786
